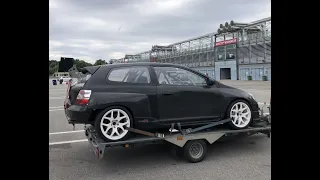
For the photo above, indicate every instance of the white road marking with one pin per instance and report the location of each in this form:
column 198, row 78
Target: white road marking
column 55, row 107
column 66, row 132
column 263, row 103
column 57, row 90
column 68, row 142
column 57, row 93
column 60, row 97
column 56, row 110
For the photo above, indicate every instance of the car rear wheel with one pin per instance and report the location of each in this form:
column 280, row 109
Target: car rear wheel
column 240, row 113
column 112, row 122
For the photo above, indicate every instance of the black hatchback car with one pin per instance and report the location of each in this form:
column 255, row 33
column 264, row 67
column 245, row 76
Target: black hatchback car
column 152, row 96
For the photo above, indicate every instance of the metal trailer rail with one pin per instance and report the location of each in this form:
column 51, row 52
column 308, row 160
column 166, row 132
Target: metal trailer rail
column 191, row 143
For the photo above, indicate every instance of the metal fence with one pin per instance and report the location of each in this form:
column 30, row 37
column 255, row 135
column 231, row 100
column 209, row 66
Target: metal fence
column 249, row 48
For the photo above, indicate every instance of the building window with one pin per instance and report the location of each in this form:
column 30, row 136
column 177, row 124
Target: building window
column 221, row 53
column 231, row 51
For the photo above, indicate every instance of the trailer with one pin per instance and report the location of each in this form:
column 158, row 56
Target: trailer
column 189, row 143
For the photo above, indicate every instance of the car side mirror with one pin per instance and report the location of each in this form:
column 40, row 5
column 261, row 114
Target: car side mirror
column 210, row 82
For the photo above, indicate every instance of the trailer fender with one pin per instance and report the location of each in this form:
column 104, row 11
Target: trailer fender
column 181, row 140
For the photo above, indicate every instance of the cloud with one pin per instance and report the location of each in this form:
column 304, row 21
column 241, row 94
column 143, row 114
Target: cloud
column 107, row 29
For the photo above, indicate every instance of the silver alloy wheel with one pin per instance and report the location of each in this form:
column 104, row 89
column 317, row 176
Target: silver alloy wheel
column 113, row 124
column 240, row 114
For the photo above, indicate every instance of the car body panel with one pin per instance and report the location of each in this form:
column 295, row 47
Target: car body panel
column 139, row 99
column 137, row 103
column 193, row 103
column 153, row 105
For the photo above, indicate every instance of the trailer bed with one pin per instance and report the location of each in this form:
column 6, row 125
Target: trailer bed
column 180, row 139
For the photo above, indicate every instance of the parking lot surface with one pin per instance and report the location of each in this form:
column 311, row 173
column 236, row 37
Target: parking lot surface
column 70, row 157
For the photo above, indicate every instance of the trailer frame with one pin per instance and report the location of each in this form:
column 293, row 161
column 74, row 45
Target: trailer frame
column 191, row 143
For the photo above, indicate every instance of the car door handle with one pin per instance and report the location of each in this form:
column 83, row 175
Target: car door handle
column 167, row 93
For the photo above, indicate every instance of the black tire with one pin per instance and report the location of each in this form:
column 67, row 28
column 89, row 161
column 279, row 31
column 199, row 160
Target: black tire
column 98, row 118
column 189, row 156
column 230, row 124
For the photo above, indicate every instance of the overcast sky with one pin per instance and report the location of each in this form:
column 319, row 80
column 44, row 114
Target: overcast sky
column 109, row 29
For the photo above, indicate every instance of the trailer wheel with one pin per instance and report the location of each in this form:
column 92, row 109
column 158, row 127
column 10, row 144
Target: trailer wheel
column 195, row 150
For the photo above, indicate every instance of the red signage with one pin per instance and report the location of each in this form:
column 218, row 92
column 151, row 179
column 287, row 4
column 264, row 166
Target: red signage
column 226, row 42
column 153, row 59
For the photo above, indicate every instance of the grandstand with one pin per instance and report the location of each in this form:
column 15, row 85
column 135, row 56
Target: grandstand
column 236, row 51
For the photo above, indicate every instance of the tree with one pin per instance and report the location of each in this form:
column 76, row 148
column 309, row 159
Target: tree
column 51, row 71
column 53, row 66
column 100, row 62
column 81, row 64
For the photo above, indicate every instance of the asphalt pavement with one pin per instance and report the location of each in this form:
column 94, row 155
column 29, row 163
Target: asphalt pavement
column 70, row 157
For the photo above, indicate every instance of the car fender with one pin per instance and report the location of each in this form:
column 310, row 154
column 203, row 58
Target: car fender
column 232, row 94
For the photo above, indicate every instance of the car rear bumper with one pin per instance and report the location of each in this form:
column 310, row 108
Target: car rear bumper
column 78, row 114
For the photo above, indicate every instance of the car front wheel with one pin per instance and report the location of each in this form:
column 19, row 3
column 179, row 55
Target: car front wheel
column 240, row 113
column 112, row 122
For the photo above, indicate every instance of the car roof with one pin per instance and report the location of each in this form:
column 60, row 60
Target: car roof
column 142, row 64
column 92, row 69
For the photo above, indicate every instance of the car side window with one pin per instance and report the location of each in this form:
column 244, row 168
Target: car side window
column 178, row 76
column 130, row 75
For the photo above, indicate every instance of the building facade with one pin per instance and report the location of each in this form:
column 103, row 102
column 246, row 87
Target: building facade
column 254, row 56
column 237, row 51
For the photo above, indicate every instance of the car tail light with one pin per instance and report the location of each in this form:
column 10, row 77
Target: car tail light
column 83, row 97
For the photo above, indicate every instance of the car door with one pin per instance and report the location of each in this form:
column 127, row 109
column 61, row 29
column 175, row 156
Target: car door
column 134, row 83
column 183, row 96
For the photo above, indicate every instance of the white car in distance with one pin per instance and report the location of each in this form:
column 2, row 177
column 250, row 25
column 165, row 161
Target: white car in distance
column 64, row 79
